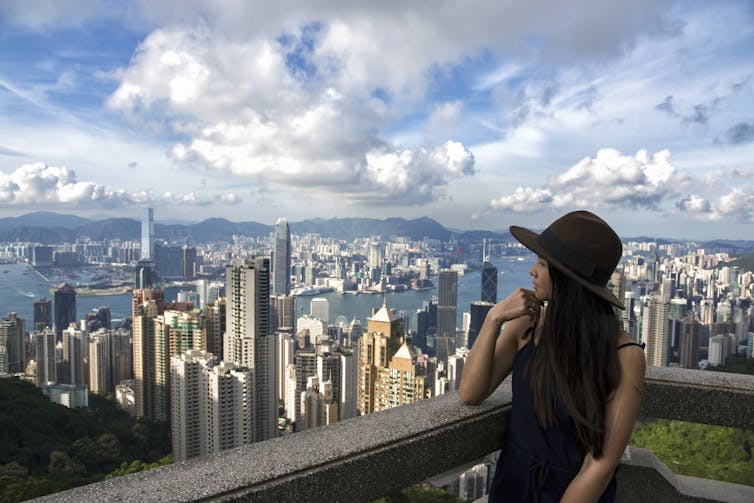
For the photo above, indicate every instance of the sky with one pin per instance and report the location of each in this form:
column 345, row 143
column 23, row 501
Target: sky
column 479, row 114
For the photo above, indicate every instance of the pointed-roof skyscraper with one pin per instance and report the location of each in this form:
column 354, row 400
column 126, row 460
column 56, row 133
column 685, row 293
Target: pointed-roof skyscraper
column 489, row 278
column 281, row 259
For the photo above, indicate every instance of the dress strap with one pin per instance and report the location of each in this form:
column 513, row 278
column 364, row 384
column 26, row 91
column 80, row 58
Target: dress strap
column 642, row 345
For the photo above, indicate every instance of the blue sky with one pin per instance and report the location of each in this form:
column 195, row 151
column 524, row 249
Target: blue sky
column 479, row 114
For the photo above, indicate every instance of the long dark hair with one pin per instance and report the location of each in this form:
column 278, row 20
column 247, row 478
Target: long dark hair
column 576, row 361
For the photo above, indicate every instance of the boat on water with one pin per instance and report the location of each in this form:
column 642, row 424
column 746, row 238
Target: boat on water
column 311, row 290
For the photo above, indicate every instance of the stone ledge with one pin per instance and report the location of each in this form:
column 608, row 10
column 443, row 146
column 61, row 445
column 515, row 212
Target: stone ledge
column 367, row 457
column 699, row 396
column 355, row 460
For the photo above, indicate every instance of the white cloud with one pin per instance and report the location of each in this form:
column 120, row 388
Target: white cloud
column 738, row 203
column 58, row 186
column 609, row 180
column 229, row 198
column 39, row 183
column 523, row 199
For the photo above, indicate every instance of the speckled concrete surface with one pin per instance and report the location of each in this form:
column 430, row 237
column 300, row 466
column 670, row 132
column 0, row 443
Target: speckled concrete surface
column 366, row 457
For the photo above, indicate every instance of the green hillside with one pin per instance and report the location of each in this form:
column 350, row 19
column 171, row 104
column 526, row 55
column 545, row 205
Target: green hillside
column 700, row 450
column 46, row 447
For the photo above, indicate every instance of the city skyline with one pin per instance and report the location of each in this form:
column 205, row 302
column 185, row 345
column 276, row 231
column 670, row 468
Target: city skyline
column 479, row 117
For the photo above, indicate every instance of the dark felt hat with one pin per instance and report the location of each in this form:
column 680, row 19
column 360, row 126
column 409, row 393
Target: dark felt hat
column 582, row 246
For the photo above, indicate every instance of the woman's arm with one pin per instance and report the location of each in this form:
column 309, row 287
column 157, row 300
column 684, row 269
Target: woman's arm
column 622, row 411
column 491, row 357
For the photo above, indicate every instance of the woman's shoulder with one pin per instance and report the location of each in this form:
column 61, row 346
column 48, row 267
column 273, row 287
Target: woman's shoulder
column 626, row 341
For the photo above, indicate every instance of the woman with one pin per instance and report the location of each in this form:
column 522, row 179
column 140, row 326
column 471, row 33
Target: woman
column 577, row 377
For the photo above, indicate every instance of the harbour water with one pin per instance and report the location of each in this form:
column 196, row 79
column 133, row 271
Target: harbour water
column 20, row 286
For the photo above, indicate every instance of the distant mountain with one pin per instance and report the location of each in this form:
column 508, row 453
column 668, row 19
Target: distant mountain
column 350, row 228
column 45, row 219
column 736, row 245
column 112, row 228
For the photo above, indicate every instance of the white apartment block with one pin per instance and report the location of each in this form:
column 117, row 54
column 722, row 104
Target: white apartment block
column 211, row 405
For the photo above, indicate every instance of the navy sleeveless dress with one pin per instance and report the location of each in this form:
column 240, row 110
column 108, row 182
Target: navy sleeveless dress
column 537, row 464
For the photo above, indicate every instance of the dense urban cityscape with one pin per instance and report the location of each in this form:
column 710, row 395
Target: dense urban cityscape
column 231, row 361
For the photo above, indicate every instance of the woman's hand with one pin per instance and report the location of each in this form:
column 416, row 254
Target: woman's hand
column 521, row 302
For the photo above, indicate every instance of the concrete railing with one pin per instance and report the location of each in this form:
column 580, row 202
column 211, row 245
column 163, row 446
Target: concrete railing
column 364, row 458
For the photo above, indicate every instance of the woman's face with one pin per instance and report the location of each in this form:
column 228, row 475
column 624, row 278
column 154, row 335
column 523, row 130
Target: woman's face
column 540, row 274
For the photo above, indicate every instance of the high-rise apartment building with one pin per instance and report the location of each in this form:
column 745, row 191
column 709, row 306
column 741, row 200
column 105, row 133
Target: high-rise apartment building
column 447, row 302
column 211, row 405
column 286, row 353
column 249, row 342
column 100, row 363
column 148, row 354
column 42, row 314
column 656, row 331
column 213, row 323
column 689, row 343
column 382, row 339
column 147, row 235
column 403, row 381
column 12, row 346
column 317, row 405
column 75, row 364
column 65, row 309
column 110, row 359
column 281, row 259
column 44, row 351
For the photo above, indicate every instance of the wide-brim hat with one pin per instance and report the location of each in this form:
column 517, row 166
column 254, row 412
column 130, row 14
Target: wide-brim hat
column 582, row 246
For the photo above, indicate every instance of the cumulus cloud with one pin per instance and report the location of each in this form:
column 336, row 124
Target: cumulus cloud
column 324, row 136
column 610, row 179
column 737, row 204
column 414, row 176
column 38, row 183
column 311, row 99
column 523, row 200
column 229, row 198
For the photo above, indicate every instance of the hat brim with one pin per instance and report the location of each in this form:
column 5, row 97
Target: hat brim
column 529, row 239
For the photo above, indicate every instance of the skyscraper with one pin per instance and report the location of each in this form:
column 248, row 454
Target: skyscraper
column 249, row 341
column 689, row 343
column 147, row 354
column 65, row 309
column 446, row 314
column 147, row 235
column 281, row 259
column 211, row 405
column 382, row 339
column 656, row 331
column 44, row 351
column 404, row 381
column 12, row 347
column 489, row 279
column 282, row 316
column 42, row 314
column 75, row 368
column 478, row 312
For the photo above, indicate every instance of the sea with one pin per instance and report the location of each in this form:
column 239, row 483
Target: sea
column 21, row 286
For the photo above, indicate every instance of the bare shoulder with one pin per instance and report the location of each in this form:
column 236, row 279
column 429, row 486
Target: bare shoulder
column 632, row 363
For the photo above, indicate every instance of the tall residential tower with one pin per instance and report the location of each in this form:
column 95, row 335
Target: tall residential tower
column 249, row 341
column 281, row 259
